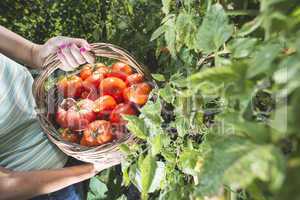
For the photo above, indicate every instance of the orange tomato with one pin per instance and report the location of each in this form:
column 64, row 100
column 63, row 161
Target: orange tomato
column 70, row 86
column 122, row 108
column 122, row 67
column 98, row 132
column 134, row 79
column 137, row 93
column 112, row 86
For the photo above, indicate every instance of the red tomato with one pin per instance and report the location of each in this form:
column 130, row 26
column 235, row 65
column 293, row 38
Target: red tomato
column 118, row 74
column 122, row 108
column 92, row 82
column 112, row 86
column 122, row 67
column 92, row 95
column 134, row 79
column 103, row 106
column 70, row 86
column 98, row 132
column 86, row 71
column 69, row 136
column 137, row 93
column 105, row 102
column 77, row 117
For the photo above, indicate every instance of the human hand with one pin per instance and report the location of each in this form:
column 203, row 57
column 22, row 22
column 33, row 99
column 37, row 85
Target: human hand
column 72, row 52
column 99, row 166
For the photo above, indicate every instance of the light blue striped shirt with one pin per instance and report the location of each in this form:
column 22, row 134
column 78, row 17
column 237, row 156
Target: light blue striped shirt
column 23, row 145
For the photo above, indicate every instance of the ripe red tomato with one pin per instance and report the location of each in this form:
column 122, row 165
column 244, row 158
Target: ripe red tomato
column 122, row 108
column 122, row 67
column 137, row 93
column 69, row 136
column 98, row 132
column 118, row 74
column 70, row 86
column 92, row 95
column 92, row 82
column 86, row 71
column 134, row 79
column 112, row 86
column 103, row 106
column 77, row 117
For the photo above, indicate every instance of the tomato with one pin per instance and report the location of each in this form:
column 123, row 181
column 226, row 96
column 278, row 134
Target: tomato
column 86, row 71
column 98, row 132
column 122, row 67
column 70, row 86
column 92, row 95
column 103, row 106
column 67, row 135
column 122, row 108
column 118, row 74
column 134, row 79
column 112, row 86
column 92, row 82
column 77, row 116
column 137, row 93
column 101, row 68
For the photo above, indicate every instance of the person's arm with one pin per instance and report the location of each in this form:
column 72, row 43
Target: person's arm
column 72, row 52
column 25, row 185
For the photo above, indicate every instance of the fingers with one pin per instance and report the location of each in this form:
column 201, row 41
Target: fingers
column 77, row 55
column 71, row 56
column 87, row 55
column 64, row 65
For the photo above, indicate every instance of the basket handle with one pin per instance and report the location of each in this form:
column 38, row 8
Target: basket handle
column 105, row 50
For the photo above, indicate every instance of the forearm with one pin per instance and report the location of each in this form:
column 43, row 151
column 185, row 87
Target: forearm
column 24, row 185
column 16, row 47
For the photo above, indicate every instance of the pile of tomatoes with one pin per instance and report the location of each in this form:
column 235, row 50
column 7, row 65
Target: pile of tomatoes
column 95, row 100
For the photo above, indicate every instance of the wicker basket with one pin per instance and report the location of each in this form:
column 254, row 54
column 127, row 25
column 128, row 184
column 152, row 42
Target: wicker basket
column 107, row 153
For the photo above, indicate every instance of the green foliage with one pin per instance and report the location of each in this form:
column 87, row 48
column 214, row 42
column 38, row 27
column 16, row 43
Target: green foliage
column 225, row 119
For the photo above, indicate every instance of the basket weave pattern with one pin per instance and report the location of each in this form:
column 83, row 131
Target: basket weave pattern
column 107, row 153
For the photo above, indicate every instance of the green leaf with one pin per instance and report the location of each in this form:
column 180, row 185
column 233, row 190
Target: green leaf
column 152, row 111
column 97, row 188
column 188, row 160
column 170, row 36
column 214, row 31
column 242, row 47
column 250, row 27
column 167, row 93
column 147, row 169
column 232, row 153
column 216, row 75
column 158, row 142
column 186, row 28
column 158, row 32
column 166, row 6
column 182, row 125
column 263, row 162
column 158, row 77
column 262, row 60
column 136, row 126
column 124, row 148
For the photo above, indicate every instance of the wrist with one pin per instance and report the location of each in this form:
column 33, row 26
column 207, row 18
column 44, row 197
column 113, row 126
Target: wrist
column 36, row 57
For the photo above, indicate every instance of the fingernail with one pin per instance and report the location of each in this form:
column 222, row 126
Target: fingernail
column 62, row 46
column 82, row 49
